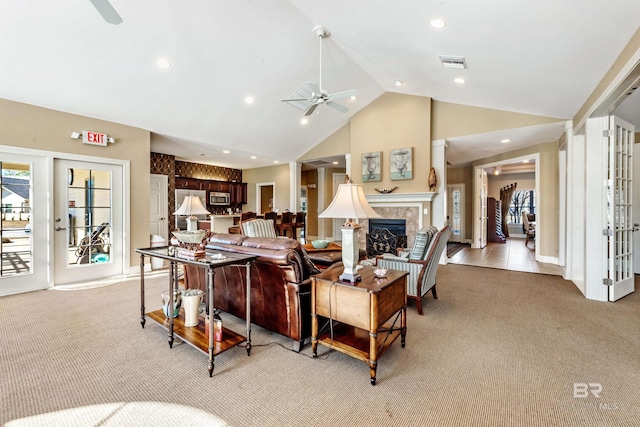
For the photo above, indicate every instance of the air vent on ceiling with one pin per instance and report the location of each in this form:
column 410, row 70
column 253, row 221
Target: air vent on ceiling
column 318, row 163
column 453, row 61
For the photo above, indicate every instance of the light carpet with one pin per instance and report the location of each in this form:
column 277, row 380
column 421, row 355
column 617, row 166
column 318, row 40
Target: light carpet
column 497, row 348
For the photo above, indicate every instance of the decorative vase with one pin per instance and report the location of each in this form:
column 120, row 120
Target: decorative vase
column 177, row 301
column 191, row 302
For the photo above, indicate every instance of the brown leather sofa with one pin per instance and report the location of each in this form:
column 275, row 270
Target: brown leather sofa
column 280, row 284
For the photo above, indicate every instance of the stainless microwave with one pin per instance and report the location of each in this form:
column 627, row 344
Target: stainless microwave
column 219, row 199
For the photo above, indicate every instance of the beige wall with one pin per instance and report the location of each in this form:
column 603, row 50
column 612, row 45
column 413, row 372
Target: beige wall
column 278, row 174
column 337, row 144
column 27, row 126
column 525, row 181
column 548, row 208
column 393, row 121
column 452, row 120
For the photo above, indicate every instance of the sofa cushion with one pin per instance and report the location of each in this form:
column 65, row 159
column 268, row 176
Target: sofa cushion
column 423, row 238
column 227, row 239
column 259, row 228
column 273, row 243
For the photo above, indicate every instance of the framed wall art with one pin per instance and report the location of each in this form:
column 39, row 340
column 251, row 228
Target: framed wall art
column 371, row 169
column 401, row 164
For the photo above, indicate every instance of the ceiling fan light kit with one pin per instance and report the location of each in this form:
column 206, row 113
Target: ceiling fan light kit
column 308, row 96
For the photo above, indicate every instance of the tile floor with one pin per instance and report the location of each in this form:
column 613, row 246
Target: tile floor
column 512, row 255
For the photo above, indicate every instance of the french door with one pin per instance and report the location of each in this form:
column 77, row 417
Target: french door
column 88, row 221
column 620, row 208
column 23, row 238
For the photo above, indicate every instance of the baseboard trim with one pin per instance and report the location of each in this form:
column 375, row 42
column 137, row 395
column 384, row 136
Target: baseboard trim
column 548, row 259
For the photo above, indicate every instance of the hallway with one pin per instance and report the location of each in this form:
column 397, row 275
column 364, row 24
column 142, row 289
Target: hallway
column 512, row 255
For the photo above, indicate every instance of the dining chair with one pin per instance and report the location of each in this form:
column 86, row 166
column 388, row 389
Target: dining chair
column 286, row 223
column 529, row 229
column 300, row 222
column 244, row 216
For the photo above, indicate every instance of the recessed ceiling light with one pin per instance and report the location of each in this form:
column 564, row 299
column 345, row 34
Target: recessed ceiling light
column 525, row 161
column 304, row 121
column 353, row 97
column 249, row 100
column 399, row 83
column 459, row 80
column 504, row 141
column 226, row 151
column 438, row 23
column 276, row 161
column 163, row 63
column 254, row 157
column 334, row 163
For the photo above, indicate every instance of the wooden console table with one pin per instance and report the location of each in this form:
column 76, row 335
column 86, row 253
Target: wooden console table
column 195, row 335
column 362, row 312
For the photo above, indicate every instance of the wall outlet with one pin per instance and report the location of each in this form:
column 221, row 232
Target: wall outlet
column 425, row 211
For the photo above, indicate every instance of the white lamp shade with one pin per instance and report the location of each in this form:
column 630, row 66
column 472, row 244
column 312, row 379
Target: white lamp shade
column 191, row 205
column 349, row 202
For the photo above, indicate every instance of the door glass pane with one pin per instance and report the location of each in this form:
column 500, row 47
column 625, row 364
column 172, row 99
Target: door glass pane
column 89, row 216
column 15, row 231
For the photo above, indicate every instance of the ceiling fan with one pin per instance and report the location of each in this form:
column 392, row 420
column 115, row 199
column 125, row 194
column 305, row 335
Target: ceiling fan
column 107, row 11
column 310, row 94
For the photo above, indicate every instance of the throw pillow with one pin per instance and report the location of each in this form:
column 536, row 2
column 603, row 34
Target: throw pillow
column 423, row 238
column 259, row 228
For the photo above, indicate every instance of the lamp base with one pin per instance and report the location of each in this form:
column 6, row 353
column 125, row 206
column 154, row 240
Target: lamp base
column 348, row 277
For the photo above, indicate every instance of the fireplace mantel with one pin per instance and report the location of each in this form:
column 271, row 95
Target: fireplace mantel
column 400, row 197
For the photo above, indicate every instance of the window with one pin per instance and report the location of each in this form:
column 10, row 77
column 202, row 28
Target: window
column 522, row 201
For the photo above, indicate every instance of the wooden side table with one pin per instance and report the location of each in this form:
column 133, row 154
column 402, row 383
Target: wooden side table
column 363, row 312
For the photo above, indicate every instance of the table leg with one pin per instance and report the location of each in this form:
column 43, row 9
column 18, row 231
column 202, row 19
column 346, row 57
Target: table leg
column 373, row 355
column 248, row 278
column 403, row 323
column 173, row 284
column 314, row 321
column 142, row 316
column 211, row 314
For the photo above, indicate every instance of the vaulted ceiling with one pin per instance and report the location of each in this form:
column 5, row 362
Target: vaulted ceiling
column 541, row 57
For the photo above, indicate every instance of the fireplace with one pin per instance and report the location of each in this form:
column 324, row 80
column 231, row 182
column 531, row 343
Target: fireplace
column 386, row 235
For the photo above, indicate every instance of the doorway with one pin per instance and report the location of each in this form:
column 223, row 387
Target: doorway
column 265, row 197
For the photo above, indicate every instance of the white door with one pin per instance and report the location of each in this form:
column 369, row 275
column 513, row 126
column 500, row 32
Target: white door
column 480, row 209
column 455, row 214
column 636, row 213
column 23, row 231
column 620, row 208
column 88, row 221
column 158, row 205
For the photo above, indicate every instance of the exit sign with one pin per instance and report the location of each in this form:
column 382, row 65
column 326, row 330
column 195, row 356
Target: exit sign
column 94, row 138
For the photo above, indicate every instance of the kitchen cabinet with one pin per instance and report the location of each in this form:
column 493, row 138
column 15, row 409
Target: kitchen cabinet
column 238, row 192
column 187, row 184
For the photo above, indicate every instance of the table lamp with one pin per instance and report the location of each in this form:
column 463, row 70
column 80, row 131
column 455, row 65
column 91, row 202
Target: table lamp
column 191, row 206
column 349, row 203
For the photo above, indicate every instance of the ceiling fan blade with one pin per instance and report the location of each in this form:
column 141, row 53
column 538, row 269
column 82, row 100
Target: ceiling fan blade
column 311, row 109
column 343, row 94
column 107, row 11
column 337, row 106
column 297, row 100
column 313, row 87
